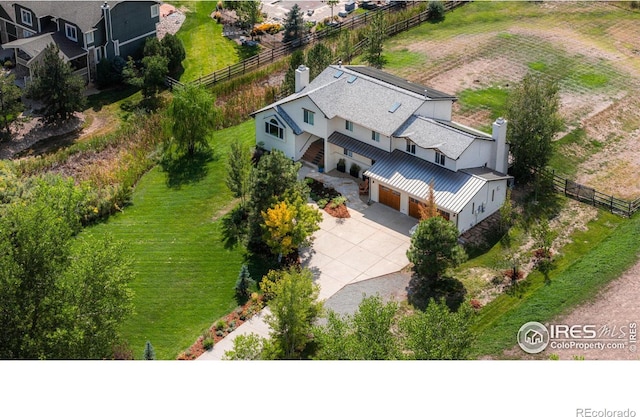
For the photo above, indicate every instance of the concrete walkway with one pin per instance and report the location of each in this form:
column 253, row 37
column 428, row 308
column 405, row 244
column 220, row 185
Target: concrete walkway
column 371, row 243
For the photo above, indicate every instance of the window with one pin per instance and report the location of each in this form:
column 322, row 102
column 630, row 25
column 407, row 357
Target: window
column 375, row 136
column 440, row 158
column 348, row 125
column 26, row 33
column 473, row 208
column 25, row 15
column 411, row 147
column 155, row 10
column 308, row 116
column 348, row 153
column 98, row 54
column 89, row 38
column 273, row 128
column 71, row 32
column 493, row 194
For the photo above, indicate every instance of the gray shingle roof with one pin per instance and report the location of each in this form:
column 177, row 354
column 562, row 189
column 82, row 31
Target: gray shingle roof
column 401, row 82
column 356, row 146
column 85, row 14
column 34, row 45
column 452, row 190
column 433, row 134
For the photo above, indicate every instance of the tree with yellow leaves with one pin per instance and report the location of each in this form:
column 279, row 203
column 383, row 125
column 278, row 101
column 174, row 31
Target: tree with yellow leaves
column 288, row 225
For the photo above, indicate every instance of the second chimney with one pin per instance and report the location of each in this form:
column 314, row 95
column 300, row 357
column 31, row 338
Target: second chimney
column 499, row 135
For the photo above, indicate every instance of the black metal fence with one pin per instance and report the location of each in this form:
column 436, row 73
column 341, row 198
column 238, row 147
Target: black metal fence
column 270, row 56
column 592, row 196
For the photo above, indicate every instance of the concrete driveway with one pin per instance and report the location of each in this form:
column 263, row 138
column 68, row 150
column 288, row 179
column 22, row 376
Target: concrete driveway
column 371, row 243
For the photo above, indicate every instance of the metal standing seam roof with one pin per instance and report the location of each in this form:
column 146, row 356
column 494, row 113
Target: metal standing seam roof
column 288, row 120
column 399, row 170
column 356, row 146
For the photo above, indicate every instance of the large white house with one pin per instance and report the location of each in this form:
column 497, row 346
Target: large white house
column 400, row 133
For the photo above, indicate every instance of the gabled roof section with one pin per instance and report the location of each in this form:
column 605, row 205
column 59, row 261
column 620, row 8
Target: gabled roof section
column 391, row 79
column 452, row 190
column 446, row 137
column 35, row 45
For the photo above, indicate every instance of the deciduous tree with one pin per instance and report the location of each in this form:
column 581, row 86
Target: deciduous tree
column 534, row 119
column 55, row 84
column 288, row 225
column 345, row 46
column 294, row 308
column 10, row 103
column 192, row 113
column 239, row 171
column 437, row 333
column 289, row 84
column 249, row 13
column 429, row 209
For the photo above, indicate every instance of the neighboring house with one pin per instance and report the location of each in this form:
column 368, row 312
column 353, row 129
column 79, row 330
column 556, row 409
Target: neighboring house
column 85, row 31
column 399, row 132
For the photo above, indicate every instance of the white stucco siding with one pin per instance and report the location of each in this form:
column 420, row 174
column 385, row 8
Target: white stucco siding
column 338, row 124
column 286, row 144
column 471, row 214
column 478, row 154
column 437, row 109
column 295, row 110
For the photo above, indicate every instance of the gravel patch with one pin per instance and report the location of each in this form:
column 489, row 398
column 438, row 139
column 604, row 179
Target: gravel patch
column 391, row 287
column 170, row 21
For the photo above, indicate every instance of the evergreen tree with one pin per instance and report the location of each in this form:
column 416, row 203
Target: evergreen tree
column 289, row 84
column 54, row 83
column 293, row 25
column 376, row 35
column 173, row 50
column 243, row 283
column 149, row 352
column 318, row 58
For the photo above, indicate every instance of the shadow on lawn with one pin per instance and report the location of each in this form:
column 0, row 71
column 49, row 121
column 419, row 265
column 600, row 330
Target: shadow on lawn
column 186, row 169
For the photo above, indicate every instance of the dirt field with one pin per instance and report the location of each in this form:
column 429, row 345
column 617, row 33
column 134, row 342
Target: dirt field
column 597, row 60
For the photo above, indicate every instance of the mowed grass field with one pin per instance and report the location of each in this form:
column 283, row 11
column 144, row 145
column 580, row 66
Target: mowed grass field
column 184, row 275
column 207, row 50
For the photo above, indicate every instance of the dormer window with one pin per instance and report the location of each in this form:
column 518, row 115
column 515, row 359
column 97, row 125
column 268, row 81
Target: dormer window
column 440, row 158
column 25, row 16
column 71, row 32
column 375, row 136
column 411, row 147
column 273, row 128
column 348, row 125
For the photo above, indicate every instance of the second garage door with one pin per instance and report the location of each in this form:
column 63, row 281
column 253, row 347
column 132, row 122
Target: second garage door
column 390, row 197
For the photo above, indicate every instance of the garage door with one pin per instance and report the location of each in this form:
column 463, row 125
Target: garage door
column 414, row 207
column 390, row 197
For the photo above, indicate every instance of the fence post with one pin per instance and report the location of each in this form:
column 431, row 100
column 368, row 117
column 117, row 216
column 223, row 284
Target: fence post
column 566, row 185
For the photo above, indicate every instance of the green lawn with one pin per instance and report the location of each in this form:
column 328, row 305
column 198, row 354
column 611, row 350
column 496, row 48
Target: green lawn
column 594, row 258
column 184, row 274
column 207, row 50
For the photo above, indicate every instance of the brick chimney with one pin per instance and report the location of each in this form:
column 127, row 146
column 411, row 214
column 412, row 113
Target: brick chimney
column 302, row 78
column 499, row 135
